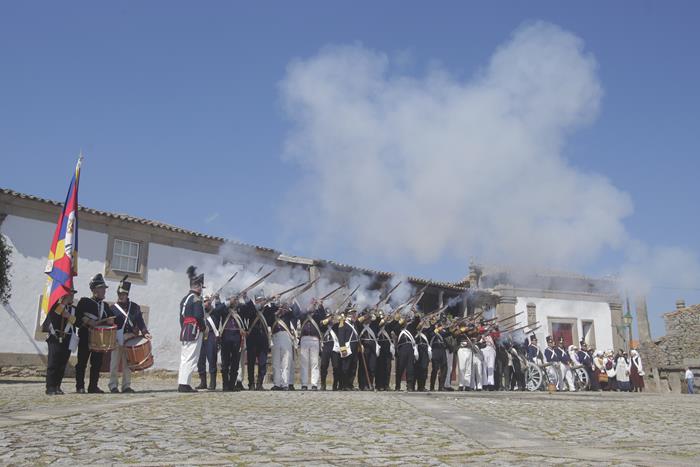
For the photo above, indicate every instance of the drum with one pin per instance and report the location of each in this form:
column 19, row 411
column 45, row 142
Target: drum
column 138, row 353
column 103, row 338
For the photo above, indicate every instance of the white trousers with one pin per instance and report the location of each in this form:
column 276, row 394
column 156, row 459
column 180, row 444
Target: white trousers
column 464, row 366
column 188, row 360
column 119, row 355
column 448, row 376
column 568, row 376
column 478, row 371
column 282, row 358
column 489, row 364
column 308, row 350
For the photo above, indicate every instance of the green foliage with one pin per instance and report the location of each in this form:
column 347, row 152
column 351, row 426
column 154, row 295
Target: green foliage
column 5, row 265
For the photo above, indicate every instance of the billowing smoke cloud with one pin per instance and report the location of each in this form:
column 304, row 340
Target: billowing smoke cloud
column 423, row 167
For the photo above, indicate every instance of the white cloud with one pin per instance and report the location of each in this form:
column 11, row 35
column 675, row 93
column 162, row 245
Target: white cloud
column 421, row 167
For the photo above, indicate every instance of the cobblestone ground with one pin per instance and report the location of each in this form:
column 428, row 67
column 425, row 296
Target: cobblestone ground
column 158, row 426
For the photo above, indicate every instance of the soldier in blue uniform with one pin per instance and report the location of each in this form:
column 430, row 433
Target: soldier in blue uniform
column 130, row 323
column 552, row 357
column 191, row 327
column 386, row 355
column 329, row 352
column 60, row 326
column 437, row 334
column 424, row 355
column 260, row 315
column 406, row 350
column 369, row 350
column 534, row 354
column 210, row 345
column 232, row 328
column 90, row 312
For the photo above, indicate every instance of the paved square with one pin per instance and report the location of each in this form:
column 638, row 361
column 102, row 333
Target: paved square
column 158, row 426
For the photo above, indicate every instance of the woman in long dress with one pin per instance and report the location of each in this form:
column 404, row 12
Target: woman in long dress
column 622, row 373
column 636, row 371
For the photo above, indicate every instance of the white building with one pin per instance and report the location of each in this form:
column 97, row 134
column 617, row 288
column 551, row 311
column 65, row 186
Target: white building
column 155, row 256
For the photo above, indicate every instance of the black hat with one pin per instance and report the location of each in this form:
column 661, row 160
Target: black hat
column 533, row 338
column 124, row 286
column 195, row 279
column 549, row 339
column 97, row 281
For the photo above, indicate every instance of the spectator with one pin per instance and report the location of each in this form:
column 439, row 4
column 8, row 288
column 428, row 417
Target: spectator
column 690, row 379
column 636, row 372
column 622, row 372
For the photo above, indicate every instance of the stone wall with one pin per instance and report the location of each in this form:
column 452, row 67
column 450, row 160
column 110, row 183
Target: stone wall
column 681, row 346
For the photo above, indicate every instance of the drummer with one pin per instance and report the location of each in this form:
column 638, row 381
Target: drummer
column 90, row 312
column 129, row 321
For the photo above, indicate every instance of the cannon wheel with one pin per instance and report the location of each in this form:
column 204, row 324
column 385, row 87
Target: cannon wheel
column 582, row 381
column 534, row 377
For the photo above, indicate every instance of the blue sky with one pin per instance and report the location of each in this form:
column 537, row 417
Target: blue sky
column 178, row 107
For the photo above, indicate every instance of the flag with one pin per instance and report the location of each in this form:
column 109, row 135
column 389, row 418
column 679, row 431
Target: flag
column 62, row 265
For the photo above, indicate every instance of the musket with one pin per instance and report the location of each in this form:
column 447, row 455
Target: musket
column 430, row 316
column 384, row 300
column 346, row 300
column 523, row 327
column 331, row 293
column 304, row 289
column 225, row 284
column 256, row 283
column 500, row 322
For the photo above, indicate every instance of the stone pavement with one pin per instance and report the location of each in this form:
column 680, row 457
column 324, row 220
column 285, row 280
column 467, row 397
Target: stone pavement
column 158, row 426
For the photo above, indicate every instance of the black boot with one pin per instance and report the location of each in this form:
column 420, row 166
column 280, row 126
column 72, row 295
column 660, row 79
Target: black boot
column 212, row 381
column 202, row 381
column 185, row 388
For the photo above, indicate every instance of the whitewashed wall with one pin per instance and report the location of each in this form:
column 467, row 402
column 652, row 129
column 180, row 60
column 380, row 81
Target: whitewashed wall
column 167, row 284
column 598, row 312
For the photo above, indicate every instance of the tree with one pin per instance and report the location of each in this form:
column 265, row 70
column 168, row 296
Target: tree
column 5, row 264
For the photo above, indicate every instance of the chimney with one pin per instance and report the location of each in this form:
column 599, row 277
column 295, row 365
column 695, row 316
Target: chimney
column 643, row 328
column 680, row 304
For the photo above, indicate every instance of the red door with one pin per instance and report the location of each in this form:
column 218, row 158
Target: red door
column 563, row 330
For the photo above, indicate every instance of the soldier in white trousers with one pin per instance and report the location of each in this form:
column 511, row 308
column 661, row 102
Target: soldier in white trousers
column 191, row 325
column 465, row 364
column 448, row 376
column 489, row 353
column 283, row 349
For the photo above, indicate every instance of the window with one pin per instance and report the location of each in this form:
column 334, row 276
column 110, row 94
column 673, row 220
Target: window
column 588, row 330
column 127, row 253
column 125, row 256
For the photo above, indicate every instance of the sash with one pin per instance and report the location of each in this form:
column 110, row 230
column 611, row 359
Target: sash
column 336, row 344
column 261, row 319
column 236, row 317
column 120, row 332
column 430, row 349
column 101, row 306
column 366, row 329
column 392, row 349
column 286, row 329
column 313, row 322
column 404, row 332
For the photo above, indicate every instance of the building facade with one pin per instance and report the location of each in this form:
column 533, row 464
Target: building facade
column 155, row 256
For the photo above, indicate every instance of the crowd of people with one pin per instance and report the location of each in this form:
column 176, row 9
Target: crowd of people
column 354, row 348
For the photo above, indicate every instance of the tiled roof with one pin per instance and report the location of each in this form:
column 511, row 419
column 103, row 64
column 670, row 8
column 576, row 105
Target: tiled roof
column 172, row 228
column 128, row 218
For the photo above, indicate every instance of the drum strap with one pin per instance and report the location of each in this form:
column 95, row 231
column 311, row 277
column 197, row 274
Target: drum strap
column 126, row 314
